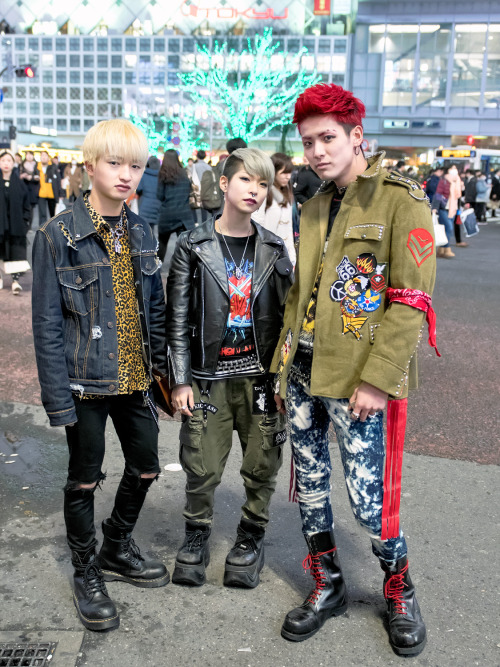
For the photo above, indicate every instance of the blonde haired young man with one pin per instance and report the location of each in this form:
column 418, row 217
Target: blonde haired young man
column 98, row 325
column 226, row 291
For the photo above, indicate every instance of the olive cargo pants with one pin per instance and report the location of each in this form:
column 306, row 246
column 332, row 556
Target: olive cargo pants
column 246, row 405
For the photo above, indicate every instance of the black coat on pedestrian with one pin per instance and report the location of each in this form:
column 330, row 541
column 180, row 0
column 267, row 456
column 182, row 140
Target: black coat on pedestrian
column 149, row 204
column 175, row 212
column 431, row 187
column 15, row 216
column 306, row 185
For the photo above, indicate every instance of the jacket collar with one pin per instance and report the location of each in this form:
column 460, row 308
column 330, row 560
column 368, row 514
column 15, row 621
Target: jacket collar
column 206, row 232
column 374, row 169
column 81, row 224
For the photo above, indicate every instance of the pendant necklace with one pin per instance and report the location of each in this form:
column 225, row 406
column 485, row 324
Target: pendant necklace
column 118, row 233
column 238, row 270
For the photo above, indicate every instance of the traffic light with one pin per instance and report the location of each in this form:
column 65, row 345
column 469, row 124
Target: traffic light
column 470, row 140
column 12, row 132
column 25, row 72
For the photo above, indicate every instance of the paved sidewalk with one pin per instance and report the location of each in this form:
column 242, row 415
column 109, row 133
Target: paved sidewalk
column 450, row 508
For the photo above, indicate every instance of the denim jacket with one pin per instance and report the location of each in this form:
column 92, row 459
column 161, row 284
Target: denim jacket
column 74, row 319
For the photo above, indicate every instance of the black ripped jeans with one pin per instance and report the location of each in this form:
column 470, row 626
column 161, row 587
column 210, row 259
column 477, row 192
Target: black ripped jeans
column 137, row 430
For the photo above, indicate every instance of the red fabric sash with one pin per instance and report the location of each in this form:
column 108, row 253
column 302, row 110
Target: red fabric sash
column 396, row 427
column 420, row 300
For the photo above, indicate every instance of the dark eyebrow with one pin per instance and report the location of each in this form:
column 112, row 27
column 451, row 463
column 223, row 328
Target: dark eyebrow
column 321, row 134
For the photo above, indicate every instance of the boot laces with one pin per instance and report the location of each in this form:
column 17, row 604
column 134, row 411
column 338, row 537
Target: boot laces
column 133, row 550
column 93, row 579
column 195, row 540
column 246, row 542
column 313, row 563
column 394, row 589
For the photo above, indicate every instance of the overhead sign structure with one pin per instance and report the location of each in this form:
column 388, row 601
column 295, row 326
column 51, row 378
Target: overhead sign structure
column 455, row 152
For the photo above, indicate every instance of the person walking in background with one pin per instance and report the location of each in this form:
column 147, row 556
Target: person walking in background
column 149, row 204
column 50, row 188
column 306, row 185
column 445, row 202
column 72, row 181
column 276, row 213
column 200, row 167
column 235, row 143
column 173, row 190
column 494, row 202
column 28, row 172
column 15, row 218
column 482, row 197
column 225, row 298
column 432, row 183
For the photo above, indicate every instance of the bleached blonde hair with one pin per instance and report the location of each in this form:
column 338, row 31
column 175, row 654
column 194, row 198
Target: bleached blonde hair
column 117, row 137
column 254, row 161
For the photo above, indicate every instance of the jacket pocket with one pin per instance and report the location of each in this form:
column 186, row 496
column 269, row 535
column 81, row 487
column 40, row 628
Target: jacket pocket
column 79, row 289
column 149, row 265
column 268, row 458
column 370, row 231
column 191, row 452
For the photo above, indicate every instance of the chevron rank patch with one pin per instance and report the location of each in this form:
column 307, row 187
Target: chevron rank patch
column 421, row 244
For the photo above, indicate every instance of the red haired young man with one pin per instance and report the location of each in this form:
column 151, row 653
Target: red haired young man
column 365, row 270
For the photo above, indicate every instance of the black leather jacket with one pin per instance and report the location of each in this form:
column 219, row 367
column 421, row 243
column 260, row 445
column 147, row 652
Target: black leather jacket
column 198, row 300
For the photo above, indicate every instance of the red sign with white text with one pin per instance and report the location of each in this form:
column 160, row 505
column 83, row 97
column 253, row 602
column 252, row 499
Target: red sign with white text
column 322, row 7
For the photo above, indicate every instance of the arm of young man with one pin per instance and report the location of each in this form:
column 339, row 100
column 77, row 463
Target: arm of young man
column 412, row 265
column 178, row 296
column 157, row 324
column 48, row 337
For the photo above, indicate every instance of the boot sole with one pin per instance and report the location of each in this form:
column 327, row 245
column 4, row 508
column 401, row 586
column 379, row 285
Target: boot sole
column 190, row 575
column 414, row 650
column 97, row 625
column 292, row 637
column 109, row 575
column 237, row 576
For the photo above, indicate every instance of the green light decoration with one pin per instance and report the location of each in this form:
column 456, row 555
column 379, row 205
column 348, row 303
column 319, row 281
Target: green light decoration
column 191, row 138
column 248, row 103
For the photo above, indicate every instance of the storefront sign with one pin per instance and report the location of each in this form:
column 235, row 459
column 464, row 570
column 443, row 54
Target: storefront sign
column 455, row 152
column 396, row 124
column 322, row 7
column 224, row 13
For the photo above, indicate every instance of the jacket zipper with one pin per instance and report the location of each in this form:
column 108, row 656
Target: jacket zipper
column 202, row 275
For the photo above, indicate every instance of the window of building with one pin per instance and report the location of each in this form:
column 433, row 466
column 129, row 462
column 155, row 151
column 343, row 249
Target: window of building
column 87, row 123
column 338, row 79
column 33, row 44
column 492, row 90
column 48, row 93
column 20, row 93
column 116, row 93
column 102, row 62
column 34, row 93
column 116, row 78
column 62, row 124
column 35, row 121
column 75, row 125
column 74, row 77
column 145, row 78
column 74, row 109
column 116, row 61
column 144, row 60
column 339, row 64
column 60, row 44
column 102, row 110
column 74, row 44
column 88, row 44
column 159, row 78
column 188, row 45
column 21, row 107
column 340, row 46
column 102, row 77
column 88, row 109
column 47, row 44
column 468, row 61
column 159, row 45
column 130, row 78
column 88, row 77
column 293, row 45
column 61, row 108
column 173, row 79
column 324, row 46
column 130, row 61
column 20, row 43
column 74, row 61
column 48, row 122
column 116, row 44
column 323, row 63
column 102, row 93
column 34, row 107
column 60, row 60
column 48, row 108
column 88, row 61
column 102, row 44
column 174, row 45
column 74, row 93
column 130, row 44
column 159, row 60
column 61, row 93
column 144, row 44
column 61, row 76
column 47, row 76
column 174, row 62
column 88, row 93
column 47, row 60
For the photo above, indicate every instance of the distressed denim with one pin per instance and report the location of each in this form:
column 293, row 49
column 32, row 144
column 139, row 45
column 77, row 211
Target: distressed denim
column 362, row 449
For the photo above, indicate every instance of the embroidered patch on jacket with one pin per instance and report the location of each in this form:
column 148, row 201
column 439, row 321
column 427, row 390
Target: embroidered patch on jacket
column 421, row 245
column 358, row 291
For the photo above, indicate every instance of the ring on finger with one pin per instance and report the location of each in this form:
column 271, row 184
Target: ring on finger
column 183, row 407
column 356, row 414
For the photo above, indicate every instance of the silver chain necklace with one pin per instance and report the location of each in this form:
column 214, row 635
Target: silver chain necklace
column 118, row 232
column 238, row 270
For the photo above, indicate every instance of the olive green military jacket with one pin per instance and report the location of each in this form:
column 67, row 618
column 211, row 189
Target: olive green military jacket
column 382, row 237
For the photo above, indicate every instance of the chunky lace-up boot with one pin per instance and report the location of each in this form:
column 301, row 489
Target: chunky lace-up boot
column 328, row 597
column 246, row 558
column 93, row 604
column 121, row 560
column 407, row 634
column 193, row 556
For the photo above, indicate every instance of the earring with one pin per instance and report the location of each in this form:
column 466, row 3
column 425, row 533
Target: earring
column 357, row 150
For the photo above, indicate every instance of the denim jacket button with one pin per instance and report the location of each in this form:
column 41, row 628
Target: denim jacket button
column 111, row 387
column 108, row 292
column 110, row 325
column 78, row 281
column 111, row 355
column 105, row 260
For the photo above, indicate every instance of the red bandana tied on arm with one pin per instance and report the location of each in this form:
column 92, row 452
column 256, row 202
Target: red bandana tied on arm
column 396, row 419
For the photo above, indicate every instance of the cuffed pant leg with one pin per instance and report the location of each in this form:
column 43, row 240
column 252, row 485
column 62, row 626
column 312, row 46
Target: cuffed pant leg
column 262, row 433
column 308, row 422
column 362, row 449
column 204, row 448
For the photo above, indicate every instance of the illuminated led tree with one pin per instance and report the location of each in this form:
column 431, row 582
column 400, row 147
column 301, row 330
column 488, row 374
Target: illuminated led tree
column 252, row 92
column 181, row 134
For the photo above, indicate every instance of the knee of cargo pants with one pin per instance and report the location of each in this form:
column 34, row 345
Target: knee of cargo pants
column 263, row 457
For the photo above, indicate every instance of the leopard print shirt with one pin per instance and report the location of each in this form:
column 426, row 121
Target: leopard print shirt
column 132, row 375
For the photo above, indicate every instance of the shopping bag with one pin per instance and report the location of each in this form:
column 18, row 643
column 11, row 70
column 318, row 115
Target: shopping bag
column 20, row 266
column 439, row 231
column 60, row 207
column 469, row 222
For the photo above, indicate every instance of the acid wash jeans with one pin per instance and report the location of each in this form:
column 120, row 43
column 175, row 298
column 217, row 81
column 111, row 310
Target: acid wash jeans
column 362, row 449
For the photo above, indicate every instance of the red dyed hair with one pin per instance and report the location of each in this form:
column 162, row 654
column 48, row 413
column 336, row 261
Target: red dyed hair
column 327, row 98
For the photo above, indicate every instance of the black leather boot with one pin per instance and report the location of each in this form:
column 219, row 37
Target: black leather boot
column 193, row 556
column 329, row 596
column 93, row 604
column 407, row 634
column 121, row 560
column 246, row 558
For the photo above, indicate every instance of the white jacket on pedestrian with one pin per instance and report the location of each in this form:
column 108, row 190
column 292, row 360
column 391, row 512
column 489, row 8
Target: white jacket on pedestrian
column 278, row 219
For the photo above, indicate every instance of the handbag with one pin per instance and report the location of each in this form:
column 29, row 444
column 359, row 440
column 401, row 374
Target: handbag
column 469, row 221
column 162, row 392
column 440, row 237
column 194, row 196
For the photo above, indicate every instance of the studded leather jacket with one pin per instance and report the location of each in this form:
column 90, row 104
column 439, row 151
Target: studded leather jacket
column 198, row 300
column 74, row 319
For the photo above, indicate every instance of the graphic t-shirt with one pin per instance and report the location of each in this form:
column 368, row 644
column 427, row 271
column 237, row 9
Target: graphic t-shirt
column 306, row 335
column 238, row 339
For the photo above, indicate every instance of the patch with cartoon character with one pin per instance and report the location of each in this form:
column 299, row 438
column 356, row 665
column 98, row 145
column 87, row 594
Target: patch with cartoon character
column 358, row 290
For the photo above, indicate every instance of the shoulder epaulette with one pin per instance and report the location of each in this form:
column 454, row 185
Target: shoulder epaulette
column 414, row 189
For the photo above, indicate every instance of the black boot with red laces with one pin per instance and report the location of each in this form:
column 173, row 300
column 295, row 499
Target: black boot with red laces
column 407, row 634
column 329, row 596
